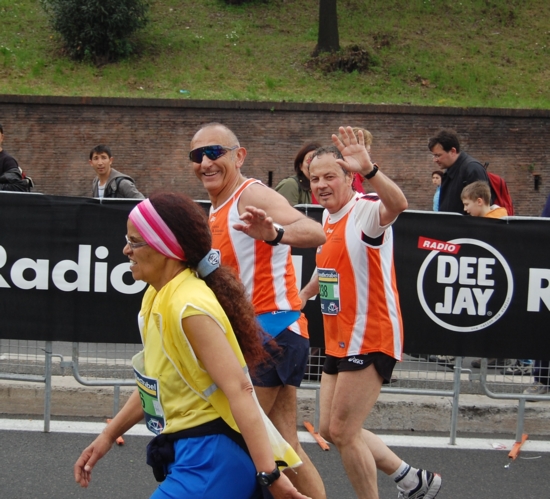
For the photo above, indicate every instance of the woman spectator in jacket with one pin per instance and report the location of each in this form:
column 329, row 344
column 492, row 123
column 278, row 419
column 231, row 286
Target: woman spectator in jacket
column 296, row 188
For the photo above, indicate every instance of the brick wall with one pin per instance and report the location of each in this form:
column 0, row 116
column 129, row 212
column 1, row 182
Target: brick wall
column 51, row 138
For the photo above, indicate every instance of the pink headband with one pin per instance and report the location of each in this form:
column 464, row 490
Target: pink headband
column 155, row 231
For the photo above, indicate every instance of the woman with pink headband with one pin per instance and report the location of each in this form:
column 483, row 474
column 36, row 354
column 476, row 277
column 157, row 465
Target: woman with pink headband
column 200, row 335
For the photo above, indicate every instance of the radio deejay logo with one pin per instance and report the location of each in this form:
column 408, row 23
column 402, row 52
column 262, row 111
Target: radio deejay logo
column 70, row 275
column 464, row 285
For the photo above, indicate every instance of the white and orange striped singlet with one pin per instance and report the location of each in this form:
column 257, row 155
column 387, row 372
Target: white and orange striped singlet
column 357, row 285
column 267, row 272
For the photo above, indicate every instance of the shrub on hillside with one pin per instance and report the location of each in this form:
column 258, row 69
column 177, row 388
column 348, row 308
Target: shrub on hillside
column 347, row 60
column 99, row 30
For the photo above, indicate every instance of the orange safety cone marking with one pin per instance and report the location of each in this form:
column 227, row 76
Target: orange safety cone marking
column 517, row 447
column 320, row 440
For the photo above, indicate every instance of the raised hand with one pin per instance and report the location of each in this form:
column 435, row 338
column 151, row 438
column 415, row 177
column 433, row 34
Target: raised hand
column 354, row 151
column 256, row 224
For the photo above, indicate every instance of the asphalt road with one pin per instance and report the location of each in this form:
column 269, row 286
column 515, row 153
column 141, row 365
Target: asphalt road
column 36, row 465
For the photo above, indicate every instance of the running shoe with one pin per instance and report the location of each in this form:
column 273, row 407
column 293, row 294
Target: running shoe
column 443, row 360
column 428, row 486
column 493, row 362
column 517, row 369
column 421, row 356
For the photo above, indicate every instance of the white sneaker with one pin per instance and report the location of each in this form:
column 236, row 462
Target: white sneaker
column 428, row 486
column 517, row 369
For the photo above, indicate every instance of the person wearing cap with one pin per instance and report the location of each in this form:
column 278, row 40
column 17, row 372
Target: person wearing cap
column 12, row 177
column 253, row 227
column 199, row 335
column 361, row 313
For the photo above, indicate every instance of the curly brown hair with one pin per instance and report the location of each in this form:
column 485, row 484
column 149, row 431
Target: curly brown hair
column 189, row 224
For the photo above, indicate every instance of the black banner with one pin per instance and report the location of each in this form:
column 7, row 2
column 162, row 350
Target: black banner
column 468, row 286
column 63, row 276
column 474, row 286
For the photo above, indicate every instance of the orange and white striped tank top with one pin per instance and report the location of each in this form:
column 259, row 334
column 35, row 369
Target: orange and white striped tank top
column 357, row 285
column 267, row 272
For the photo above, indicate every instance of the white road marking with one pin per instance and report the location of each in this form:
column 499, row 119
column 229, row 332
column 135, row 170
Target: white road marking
column 84, row 427
column 443, row 442
column 66, row 427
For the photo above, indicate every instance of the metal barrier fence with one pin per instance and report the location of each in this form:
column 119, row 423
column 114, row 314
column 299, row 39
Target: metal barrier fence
column 522, row 380
column 106, row 364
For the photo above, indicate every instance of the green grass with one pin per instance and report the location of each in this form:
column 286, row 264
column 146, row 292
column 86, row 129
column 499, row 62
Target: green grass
column 490, row 53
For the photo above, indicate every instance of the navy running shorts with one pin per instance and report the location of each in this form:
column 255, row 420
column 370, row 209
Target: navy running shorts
column 288, row 365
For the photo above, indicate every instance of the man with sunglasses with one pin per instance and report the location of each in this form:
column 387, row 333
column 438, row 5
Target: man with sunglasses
column 253, row 227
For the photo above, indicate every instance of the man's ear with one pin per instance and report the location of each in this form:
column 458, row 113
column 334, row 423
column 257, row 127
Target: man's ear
column 240, row 155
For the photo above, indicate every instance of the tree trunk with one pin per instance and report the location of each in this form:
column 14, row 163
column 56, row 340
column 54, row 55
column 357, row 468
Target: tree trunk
column 329, row 40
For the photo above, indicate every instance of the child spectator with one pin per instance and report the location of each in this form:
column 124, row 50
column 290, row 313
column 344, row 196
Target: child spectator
column 477, row 201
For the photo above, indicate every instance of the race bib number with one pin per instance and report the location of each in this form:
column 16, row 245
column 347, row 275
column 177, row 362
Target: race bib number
column 149, row 393
column 329, row 291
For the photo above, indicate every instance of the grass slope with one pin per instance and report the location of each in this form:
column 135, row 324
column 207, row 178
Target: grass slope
column 492, row 53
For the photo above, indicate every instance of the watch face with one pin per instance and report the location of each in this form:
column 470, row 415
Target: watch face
column 264, row 480
column 280, row 233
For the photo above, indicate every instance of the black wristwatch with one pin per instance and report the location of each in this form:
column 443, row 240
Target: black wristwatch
column 373, row 172
column 280, row 233
column 267, row 479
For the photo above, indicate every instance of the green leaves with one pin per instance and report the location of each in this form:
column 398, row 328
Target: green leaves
column 98, row 30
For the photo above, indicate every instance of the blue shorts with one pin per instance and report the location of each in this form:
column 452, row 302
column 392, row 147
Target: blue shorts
column 288, row 365
column 209, row 467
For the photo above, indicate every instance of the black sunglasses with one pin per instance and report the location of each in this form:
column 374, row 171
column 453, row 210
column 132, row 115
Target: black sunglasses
column 211, row 152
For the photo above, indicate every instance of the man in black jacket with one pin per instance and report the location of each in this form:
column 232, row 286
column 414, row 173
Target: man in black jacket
column 11, row 176
column 460, row 170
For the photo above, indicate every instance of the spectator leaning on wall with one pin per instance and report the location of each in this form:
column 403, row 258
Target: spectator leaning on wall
column 12, row 177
